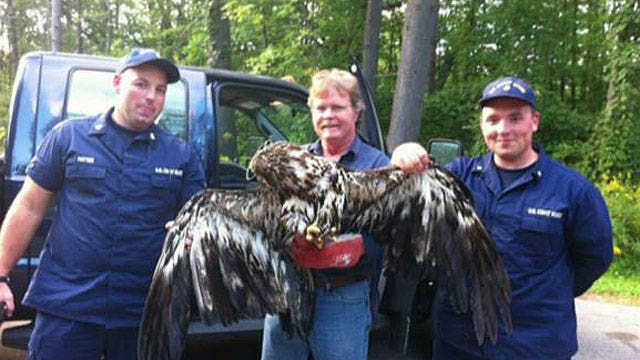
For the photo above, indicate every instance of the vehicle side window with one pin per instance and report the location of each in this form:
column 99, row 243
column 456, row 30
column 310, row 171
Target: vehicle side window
column 91, row 92
column 246, row 118
column 238, row 136
column 174, row 116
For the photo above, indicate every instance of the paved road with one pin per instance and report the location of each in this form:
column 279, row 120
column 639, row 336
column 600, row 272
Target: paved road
column 605, row 331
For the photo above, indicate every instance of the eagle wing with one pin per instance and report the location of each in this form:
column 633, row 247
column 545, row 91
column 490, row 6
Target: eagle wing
column 425, row 218
column 429, row 219
column 238, row 267
column 232, row 269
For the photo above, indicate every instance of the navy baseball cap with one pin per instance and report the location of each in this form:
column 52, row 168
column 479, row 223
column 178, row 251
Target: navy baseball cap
column 139, row 56
column 510, row 87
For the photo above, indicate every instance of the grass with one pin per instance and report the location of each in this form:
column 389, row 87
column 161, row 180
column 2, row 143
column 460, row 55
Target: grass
column 620, row 284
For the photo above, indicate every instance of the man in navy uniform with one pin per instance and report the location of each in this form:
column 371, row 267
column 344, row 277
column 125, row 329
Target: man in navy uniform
column 116, row 179
column 550, row 225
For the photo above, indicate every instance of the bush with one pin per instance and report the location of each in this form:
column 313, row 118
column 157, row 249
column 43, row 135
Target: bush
column 624, row 206
column 564, row 132
column 452, row 113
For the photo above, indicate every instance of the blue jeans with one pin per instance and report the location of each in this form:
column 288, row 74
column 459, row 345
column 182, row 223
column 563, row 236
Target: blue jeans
column 58, row 338
column 341, row 325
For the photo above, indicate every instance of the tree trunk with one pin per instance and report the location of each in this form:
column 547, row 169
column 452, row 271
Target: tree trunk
column 220, row 36
column 371, row 45
column 55, row 25
column 418, row 38
column 116, row 18
column 432, row 23
column 108, row 38
column 165, row 14
column 12, row 30
column 79, row 26
column 575, row 52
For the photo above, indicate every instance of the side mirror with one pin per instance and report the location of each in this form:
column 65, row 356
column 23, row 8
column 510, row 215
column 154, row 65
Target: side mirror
column 444, row 150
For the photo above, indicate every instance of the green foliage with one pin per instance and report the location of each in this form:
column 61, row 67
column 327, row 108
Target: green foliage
column 623, row 201
column 572, row 52
column 279, row 37
column 5, row 99
column 621, row 282
column 452, row 113
column 384, row 103
column 557, row 45
column 617, row 134
column 564, row 132
column 390, row 45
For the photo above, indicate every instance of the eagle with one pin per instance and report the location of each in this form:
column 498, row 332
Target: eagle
column 226, row 255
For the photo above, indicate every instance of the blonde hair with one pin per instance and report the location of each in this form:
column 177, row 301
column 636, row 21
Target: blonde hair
column 339, row 79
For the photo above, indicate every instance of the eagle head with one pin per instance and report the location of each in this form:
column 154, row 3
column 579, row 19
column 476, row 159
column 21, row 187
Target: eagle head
column 292, row 170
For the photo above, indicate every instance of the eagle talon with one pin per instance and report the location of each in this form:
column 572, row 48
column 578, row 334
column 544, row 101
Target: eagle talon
column 314, row 235
column 313, row 232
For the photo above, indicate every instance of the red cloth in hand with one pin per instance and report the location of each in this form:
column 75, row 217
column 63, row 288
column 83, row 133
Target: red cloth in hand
column 345, row 252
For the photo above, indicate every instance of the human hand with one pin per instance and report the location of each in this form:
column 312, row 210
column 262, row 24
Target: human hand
column 169, row 225
column 410, row 157
column 7, row 306
column 188, row 242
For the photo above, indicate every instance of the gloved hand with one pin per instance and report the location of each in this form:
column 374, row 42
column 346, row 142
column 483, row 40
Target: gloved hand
column 344, row 252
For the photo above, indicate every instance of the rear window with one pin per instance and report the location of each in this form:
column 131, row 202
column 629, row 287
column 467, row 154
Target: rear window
column 91, row 92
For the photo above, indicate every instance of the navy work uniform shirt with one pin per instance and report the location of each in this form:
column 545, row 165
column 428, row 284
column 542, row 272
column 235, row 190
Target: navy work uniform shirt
column 115, row 192
column 360, row 156
column 552, row 229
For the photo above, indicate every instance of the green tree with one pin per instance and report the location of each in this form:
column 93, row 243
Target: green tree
column 417, row 51
column 287, row 37
column 617, row 134
column 220, row 35
column 371, row 44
